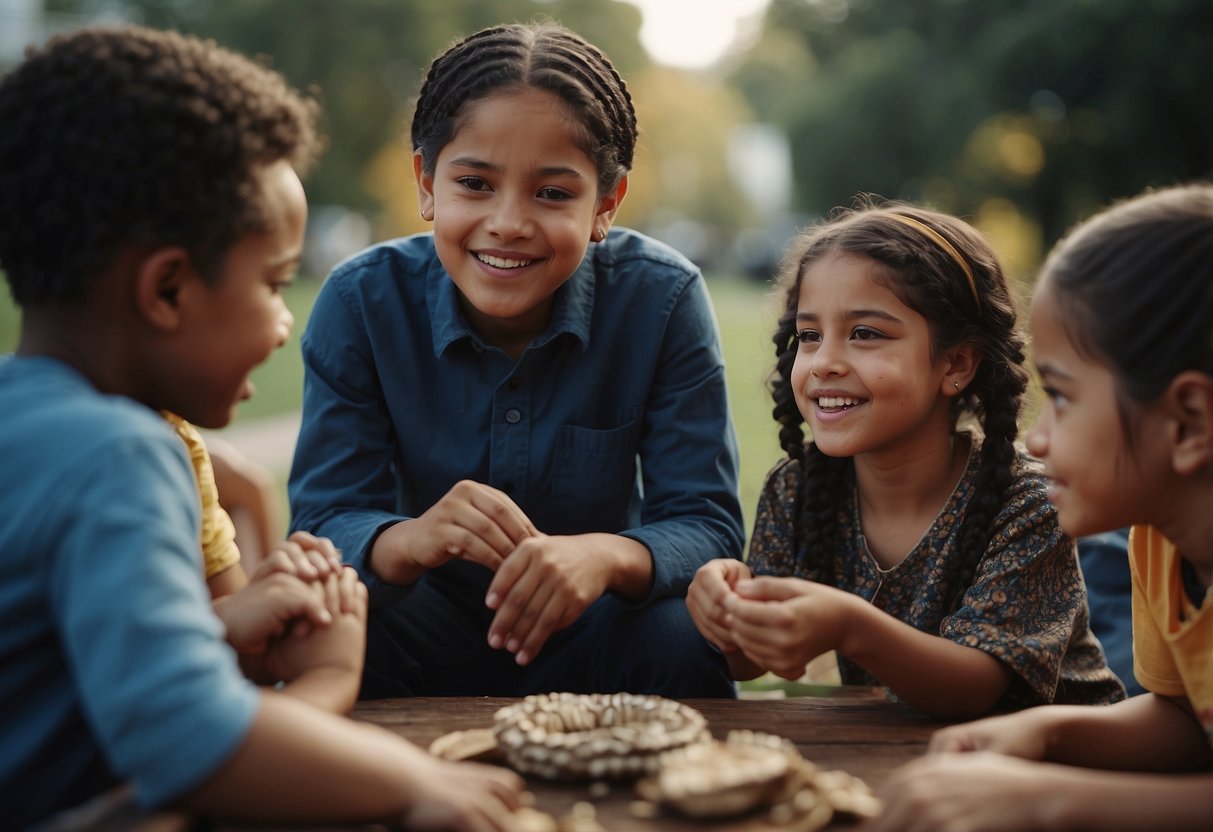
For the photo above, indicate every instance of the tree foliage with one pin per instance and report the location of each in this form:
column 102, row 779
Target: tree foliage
column 1052, row 106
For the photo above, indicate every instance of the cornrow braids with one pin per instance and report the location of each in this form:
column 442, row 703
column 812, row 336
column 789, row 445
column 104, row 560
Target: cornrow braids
column 129, row 136
column 545, row 56
column 960, row 289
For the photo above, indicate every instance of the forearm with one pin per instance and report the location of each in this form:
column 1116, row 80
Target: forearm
column 330, row 689
column 1079, row 799
column 1144, row 733
column 629, row 564
column 931, row 673
column 298, row 763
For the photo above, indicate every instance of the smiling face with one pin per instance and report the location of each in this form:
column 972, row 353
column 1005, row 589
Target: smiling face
column 864, row 377
column 231, row 326
column 1096, row 480
column 514, row 200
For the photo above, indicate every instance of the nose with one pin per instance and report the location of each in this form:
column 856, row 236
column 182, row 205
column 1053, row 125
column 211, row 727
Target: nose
column 286, row 322
column 1037, row 438
column 828, row 359
column 510, row 217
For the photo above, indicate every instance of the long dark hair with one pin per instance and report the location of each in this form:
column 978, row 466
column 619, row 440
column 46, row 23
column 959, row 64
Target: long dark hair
column 943, row 269
column 1135, row 283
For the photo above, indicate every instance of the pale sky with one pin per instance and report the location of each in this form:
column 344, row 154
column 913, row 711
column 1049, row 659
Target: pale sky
column 692, row 33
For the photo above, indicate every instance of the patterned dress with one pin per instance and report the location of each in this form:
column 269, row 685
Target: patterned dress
column 1026, row 604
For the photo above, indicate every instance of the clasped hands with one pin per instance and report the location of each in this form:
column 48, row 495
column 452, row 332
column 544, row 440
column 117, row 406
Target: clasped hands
column 777, row 624
column 301, row 610
column 541, row 583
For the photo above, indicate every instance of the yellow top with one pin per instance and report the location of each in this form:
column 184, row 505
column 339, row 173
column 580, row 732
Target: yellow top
column 1172, row 637
column 219, row 551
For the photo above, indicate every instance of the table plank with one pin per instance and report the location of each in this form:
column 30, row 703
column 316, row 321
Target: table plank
column 854, row 729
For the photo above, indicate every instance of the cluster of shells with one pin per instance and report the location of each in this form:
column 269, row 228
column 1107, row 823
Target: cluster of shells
column 566, row 736
column 752, row 771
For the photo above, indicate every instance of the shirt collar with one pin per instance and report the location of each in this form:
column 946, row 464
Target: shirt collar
column 571, row 313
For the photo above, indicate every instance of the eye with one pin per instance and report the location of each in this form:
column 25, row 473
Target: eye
column 863, row 333
column 474, row 183
column 554, row 194
column 808, row 336
column 1057, row 398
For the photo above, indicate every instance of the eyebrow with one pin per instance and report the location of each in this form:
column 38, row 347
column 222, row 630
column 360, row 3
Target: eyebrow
column 854, row 315
column 1048, row 369
column 480, row 164
column 289, row 260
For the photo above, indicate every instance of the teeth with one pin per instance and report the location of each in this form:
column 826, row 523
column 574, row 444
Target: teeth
column 501, row 262
column 836, row 401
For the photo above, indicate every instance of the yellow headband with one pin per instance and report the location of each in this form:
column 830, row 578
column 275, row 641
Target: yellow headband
column 943, row 243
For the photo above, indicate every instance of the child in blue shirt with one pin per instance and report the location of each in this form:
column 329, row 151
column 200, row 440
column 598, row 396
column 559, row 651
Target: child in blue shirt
column 517, row 426
column 160, row 215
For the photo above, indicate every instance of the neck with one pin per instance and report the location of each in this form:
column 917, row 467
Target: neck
column 1184, row 518
column 79, row 338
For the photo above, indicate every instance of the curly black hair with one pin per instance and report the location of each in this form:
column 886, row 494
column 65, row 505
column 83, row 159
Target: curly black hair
column 118, row 137
column 545, row 56
column 960, row 288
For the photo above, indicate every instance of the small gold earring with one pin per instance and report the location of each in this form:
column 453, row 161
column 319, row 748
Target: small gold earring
column 956, row 384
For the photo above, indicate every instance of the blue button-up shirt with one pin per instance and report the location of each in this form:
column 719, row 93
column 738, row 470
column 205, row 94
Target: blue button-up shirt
column 614, row 420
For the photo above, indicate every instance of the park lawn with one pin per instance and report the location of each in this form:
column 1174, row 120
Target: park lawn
column 745, row 311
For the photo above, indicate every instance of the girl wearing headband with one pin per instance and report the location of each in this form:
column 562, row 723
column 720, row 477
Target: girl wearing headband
column 910, row 535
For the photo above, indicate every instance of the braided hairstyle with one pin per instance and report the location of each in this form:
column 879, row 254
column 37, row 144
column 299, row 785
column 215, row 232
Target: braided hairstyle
column 1136, row 284
column 123, row 137
column 929, row 279
column 545, row 56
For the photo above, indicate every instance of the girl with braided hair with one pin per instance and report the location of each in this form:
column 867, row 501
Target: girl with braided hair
column 516, row 426
column 910, row 535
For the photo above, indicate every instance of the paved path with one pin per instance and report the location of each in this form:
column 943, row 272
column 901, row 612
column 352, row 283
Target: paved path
column 269, row 441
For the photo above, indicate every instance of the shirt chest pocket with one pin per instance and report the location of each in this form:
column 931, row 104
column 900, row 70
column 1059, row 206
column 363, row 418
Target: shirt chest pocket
column 595, row 475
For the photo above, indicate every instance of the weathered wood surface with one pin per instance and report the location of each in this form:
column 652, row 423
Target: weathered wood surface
column 854, row 729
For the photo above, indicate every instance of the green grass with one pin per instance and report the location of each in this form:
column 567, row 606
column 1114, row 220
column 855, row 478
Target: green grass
column 744, row 310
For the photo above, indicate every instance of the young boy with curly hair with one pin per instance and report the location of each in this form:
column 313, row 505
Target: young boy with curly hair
column 152, row 215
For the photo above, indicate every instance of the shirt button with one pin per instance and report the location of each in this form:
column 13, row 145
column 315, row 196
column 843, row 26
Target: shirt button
column 512, row 416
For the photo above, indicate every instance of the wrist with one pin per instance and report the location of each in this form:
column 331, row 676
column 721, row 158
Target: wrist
column 388, row 558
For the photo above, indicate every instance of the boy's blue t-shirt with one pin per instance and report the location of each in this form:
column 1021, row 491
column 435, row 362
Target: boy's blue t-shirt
column 112, row 665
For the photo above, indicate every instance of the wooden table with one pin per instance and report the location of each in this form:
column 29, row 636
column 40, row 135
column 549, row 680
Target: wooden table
column 854, row 729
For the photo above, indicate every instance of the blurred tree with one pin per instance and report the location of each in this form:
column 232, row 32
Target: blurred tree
column 366, row 59
column 1046, row 107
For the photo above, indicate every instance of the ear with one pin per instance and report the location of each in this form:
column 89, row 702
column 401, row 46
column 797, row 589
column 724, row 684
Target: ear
column 959, row 365
column 159, row 278
column 425, row 187
column 608, row 207
column 1188, row 404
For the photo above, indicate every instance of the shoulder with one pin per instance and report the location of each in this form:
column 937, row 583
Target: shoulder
column 637, row 255
column 45, row 397
column 1026, row 513
column 413, row 254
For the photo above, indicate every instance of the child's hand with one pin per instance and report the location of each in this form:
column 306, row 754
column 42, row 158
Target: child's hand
column 946, row 792
column 712, row 586
column 454, row 797
column 264, row 609
column 544, row 585
column 784, row 623
column 472, row 521
column 1018, row 735
column 339, row 646
column 303, row 555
